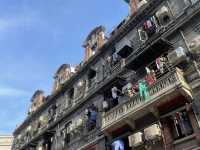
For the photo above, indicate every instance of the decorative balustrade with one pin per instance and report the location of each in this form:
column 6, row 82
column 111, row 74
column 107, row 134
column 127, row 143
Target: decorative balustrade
column 116, row 67
column 168, row 81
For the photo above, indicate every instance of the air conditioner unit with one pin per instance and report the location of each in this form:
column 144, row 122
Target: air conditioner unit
column 135, row 140
column 177, row 56
column 163, row 15
column 194, row 45
column 141, row 3
column 153, row 132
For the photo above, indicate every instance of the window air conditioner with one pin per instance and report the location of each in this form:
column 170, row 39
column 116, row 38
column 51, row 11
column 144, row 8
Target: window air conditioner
column 153, row 132
column 135, row 140
column 177, row 56
column 163, row 15
column 194, row 45
column 141, row 3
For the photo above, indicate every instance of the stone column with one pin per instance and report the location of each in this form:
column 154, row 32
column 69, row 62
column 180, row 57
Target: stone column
column 194, row 124
column 167, row 135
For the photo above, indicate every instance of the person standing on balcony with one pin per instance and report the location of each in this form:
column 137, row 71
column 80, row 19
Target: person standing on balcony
column 91, row 113
column 115, row 96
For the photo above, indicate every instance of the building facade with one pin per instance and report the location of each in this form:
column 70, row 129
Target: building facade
column 138, row 89
column 6, row 142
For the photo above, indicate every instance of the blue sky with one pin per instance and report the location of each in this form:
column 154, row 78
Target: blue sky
column 36, row 37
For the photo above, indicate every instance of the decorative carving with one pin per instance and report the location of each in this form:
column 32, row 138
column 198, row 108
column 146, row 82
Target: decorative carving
column 94, row 41
column 37, row 100
column 63, row 74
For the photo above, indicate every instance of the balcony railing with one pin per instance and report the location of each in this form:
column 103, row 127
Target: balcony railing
column 165, row 85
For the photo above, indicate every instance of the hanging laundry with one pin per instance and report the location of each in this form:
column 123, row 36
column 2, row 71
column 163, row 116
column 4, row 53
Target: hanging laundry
column 118, row 145
column 150, row 78
column 143, row 89
column 136, row 87
column 160, row 63
column 128, row 90
column 150, row 27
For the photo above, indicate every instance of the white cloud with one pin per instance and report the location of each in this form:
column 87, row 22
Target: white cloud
column 13, row 92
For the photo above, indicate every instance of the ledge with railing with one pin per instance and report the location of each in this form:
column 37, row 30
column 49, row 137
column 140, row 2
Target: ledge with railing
column 167, row 84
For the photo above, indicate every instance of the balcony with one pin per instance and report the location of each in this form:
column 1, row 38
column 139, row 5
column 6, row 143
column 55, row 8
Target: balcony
column 171, row 84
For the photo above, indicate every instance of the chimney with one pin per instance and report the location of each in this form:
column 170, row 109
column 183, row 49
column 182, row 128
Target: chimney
column 94, row 41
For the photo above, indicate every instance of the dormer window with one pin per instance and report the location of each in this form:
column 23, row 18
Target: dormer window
column 94, row 41
column 62, row 75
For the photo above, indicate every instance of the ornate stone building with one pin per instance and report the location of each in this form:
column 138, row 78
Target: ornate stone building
column 138, row 88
